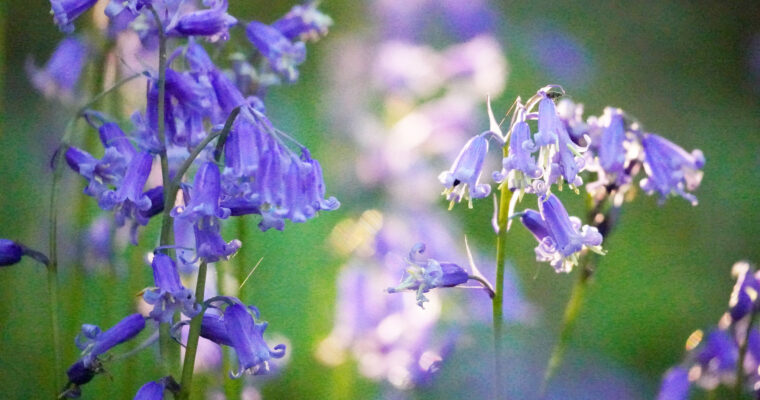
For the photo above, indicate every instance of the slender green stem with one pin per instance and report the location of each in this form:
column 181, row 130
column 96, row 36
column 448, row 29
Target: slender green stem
column 572, row 310
column 52, row 278
column 738, row 389
column 52, row 271
column 192, row 338
column 498, row 298
column 168, row 353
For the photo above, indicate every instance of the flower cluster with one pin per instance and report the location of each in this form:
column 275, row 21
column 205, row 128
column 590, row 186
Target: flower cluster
column 204, row 129
column 730, row 353
column 563, row 146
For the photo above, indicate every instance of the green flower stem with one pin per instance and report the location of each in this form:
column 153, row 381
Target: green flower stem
column 578, row 293
column 572, row 310
column 52, row 267
column 192, row 338
column 498, row 298
column 738, row 389
column 169, row 354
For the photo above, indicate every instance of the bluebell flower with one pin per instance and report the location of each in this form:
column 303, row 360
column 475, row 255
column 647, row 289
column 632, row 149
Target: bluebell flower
column 150, row 391
column 213, row 329
column 213, row 23
column 519, row 167
column 282, row 54
column 675, row 385
column 744, row 297
column 169, row 295
column 560, row 236
column 10, row 252
column 305, row 189
column 247, row 339
column 204, row 197
column 149, row 133
column 128, row 199
column 612, row 152
column 422, row 275
column 303, row 22
column 66, row 11
column 560, row 156
column 262, row 176
column 120, row 14
column 203, row 211
column 228, row 96
column 670, row 169
column 61, row 73
column 209, row 244
column 156, row 196
column 717, row 356
column 188, row 92
column 465, row 172
column 93, row 342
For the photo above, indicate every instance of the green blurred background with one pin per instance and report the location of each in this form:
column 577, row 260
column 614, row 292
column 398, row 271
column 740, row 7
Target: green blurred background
column 683, row 68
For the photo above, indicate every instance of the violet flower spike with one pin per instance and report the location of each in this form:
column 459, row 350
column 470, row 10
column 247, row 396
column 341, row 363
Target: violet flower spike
column 670, row 169
column 465, row 172
column 422, row 275
column 247, row 338
column 169, row 295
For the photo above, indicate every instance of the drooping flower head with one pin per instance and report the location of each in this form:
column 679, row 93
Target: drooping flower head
column 283, row 55
column 245, row 336
column 213, row 23
column 422, row 275
column 169, row 295
column 560, row 157
column 93, row 342
column 10, row 252
column 670, row 169
column 560, row 236
column 519, row 167
column 304, row 22
column 461, row 181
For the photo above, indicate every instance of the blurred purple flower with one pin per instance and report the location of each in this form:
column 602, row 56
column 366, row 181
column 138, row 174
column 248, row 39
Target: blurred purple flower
column 60, row 75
